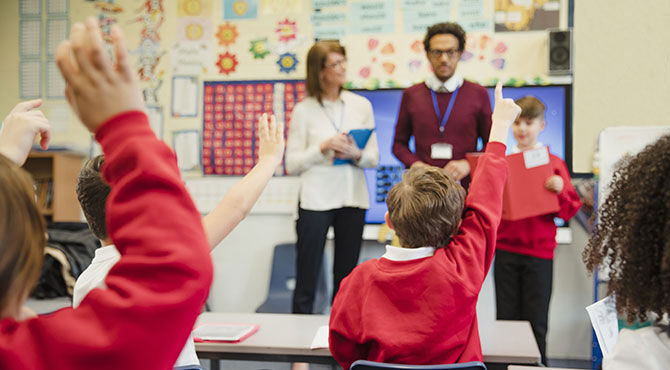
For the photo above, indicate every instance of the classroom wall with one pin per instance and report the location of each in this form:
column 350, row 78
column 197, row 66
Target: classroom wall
column 622, row 69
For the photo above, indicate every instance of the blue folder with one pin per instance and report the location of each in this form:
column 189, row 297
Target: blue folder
column 361, row 137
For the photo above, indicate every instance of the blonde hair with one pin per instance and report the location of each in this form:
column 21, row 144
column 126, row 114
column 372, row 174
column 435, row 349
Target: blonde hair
column 426, row 207
column 316, row 59
column 22, row 235
column 531, row 107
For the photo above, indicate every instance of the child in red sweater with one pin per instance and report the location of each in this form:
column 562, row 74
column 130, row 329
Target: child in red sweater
column 157, row 289
column 525, row 250
column 416, row 304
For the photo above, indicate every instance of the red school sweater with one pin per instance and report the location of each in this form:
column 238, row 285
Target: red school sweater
column 536, row 236
column 154, row 293
column 423, row 311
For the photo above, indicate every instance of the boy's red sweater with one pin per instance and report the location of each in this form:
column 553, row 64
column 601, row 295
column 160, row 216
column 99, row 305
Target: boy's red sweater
column 154, row 293
column 536, row 236
column 423, row 311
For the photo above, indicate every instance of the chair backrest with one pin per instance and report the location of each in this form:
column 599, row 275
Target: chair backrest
column 371, row 365
column 282, row 283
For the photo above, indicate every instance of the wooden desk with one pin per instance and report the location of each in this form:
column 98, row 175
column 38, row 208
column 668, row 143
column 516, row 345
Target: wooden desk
column 287, row 338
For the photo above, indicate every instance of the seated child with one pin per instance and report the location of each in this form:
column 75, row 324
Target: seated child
column 633, row 238
column 157, row 289
column 523, row 266
column 92, row 192
column 416, row 304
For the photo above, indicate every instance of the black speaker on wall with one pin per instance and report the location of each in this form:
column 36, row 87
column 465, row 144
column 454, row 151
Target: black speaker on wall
column 560, row 52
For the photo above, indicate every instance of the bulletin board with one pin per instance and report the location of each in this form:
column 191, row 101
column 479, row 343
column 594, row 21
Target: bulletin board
column 178, row 47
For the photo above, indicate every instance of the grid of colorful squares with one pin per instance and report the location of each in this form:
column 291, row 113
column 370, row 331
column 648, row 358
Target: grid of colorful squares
column 231, row 111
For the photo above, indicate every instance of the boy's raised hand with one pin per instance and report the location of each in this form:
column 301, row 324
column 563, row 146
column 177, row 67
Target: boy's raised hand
column 96, row 88
column 271, row 139
column 505, row 113
column 20, row 128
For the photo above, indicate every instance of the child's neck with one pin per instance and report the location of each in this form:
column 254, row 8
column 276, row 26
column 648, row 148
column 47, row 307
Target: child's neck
column 526, row 147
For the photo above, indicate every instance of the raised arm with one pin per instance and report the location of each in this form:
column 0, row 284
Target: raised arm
column 20, row 128
column 472, row 249
column 158, row 287
column 238, row 201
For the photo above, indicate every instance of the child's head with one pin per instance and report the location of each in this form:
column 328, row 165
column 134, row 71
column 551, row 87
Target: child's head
column 633, row 234
column 425, row 208
column 530, row 123
column 92, row 192
column 22, row 238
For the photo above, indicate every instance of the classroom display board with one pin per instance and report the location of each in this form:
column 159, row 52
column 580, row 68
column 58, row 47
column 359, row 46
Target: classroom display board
column 231, row 111
column 386, row 103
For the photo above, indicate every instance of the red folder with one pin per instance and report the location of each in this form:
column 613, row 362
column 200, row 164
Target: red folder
column 525, row 194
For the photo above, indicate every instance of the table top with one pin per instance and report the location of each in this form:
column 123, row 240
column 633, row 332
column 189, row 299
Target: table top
column 287, row 334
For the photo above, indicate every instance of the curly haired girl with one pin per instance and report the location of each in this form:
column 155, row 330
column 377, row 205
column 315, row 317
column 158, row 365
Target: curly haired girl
column 633, row 238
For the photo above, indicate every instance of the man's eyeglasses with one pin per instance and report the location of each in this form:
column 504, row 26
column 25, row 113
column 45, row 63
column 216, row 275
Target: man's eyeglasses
column 342, row 63
column 437, row 53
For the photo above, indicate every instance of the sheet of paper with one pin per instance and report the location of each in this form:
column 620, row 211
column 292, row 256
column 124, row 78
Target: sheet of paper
column 30, row 79
column 184, row 96
column 320, row 338
column 57, row 31
column 55, row 81
column 58, row 114
column 30, row 37
column 186, row 148
column 30, row 8
column 604, row 321
column 59, row 7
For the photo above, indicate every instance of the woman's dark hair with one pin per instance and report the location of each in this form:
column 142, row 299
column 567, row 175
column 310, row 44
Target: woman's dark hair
column 633, row 234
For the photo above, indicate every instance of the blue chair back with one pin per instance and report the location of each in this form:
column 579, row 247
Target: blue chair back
column 371, row 365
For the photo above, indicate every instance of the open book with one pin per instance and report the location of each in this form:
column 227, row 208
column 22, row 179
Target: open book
column 222, row 332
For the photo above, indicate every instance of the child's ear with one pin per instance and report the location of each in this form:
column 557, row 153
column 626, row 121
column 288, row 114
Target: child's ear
column 388, row 220
column 542, row 124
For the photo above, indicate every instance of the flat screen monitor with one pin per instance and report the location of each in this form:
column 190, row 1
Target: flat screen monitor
column 386, row 103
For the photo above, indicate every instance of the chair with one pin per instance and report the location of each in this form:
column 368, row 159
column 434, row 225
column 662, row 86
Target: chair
column 282, row 283
column 371, row 365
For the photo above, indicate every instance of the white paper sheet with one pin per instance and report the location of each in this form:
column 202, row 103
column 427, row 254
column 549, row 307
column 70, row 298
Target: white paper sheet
column 30, row 79
column 184, row 96
column 30, row 37
column 186, row 148
column 320, row 338
column 605, row 323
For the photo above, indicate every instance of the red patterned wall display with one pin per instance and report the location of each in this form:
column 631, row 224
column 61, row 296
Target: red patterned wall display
column 230, row 114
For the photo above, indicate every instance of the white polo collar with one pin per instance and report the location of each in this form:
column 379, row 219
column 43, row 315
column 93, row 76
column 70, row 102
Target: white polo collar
column 451, row 84
column 407, row 254
column 515, row 149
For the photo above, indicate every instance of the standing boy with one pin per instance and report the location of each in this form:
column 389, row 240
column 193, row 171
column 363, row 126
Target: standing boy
column 445, row 114
column 416, row 304
column 525, row 251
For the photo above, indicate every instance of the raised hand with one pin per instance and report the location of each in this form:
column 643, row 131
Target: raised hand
column 505, row 113
column 554, row 184
column 96, row 88
column 271, row 139
column 20, row 128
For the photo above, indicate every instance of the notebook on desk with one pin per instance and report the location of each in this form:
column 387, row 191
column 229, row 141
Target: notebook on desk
column 222, row 332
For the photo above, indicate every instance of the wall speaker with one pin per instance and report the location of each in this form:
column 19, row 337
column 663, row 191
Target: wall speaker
column 560, row 52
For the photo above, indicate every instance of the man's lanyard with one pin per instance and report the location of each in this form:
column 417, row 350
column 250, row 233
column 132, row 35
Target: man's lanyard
column 445, row 118
column 332, row 121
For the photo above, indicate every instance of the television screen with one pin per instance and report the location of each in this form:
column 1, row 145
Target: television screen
column 386, row 104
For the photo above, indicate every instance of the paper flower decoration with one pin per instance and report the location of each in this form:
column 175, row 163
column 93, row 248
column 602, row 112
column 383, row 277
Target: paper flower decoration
column 227, row 63
column 227, row 34
column 286, row 30
column 259, row 48
column 287, row 62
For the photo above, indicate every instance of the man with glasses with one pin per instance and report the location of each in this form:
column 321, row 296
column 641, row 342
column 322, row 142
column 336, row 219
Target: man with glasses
column 445, row 114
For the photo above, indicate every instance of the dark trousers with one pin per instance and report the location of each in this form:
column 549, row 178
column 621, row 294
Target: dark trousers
column 523, row 290
column 312, row 227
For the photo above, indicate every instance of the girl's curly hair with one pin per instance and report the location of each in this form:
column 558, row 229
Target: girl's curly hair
column 633, row 234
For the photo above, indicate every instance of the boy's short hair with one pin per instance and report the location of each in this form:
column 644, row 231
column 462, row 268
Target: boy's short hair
column 425, row 208
column 531, row 107
column 92, row 192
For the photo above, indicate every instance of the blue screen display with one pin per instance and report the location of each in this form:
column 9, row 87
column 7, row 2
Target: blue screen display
column 386, row 103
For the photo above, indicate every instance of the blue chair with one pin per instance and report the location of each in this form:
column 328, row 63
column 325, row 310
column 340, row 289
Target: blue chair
column 371, row 365
column 282, row 283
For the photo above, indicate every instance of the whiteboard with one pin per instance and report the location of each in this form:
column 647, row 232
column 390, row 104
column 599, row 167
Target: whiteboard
column 616, row 142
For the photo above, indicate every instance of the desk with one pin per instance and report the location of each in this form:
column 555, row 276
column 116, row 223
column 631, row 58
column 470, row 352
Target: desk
column 287, row 338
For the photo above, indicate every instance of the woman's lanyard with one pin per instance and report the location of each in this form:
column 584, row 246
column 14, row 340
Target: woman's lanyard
column 445, row 118
column 332, row 121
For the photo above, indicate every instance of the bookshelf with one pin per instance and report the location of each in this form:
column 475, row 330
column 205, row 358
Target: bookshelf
column 55, row 174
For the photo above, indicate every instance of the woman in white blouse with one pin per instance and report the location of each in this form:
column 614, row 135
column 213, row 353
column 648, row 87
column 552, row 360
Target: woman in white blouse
column 330, row 164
